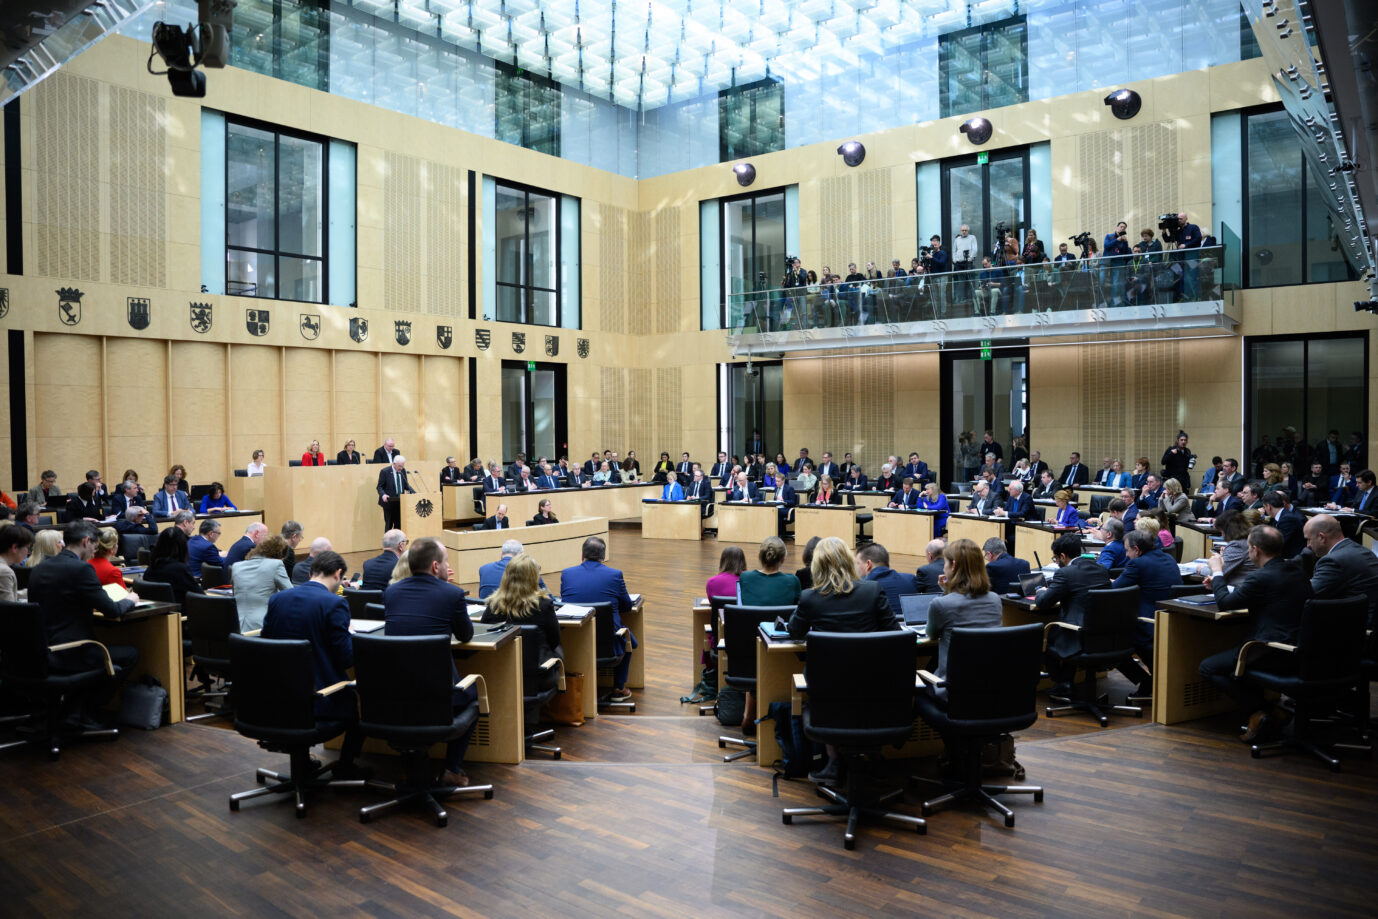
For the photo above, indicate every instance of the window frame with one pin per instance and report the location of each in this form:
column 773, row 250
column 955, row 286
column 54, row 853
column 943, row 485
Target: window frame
column 528, row 368
column 758, row 145
column 723, row 202
column 277, row 252
column 525, row 302
column 947, row 229
column 948, row 108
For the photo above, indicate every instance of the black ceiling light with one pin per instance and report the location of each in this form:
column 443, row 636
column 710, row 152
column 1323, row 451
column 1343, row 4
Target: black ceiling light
column 1124, row 103
column 977, row 130
column 852, row 153
column 746, row 174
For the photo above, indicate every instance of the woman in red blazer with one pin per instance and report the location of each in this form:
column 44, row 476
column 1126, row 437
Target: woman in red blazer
column 313, row 455
column 826, row 495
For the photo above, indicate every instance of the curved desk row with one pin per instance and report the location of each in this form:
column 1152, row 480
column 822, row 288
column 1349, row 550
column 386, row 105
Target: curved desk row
column 613, row 502
column 554, row 546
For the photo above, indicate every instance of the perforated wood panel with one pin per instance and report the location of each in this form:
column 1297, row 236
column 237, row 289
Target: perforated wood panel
column 1158, row 376
column 875, row 235
column 138, row 187
column 640, row 266
column 444, row 227
column 1127, row 174
column 667, row 270
column 1103, row 405
column 67, row 130
column 640, row 434
column 835, row 210
column 1147, row 421
column 862, row 424
column 402, row 212
column 612, row 274
column 669, row 386
column 612, row 392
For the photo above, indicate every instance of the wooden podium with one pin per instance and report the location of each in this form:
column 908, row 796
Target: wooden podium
column 421, row 516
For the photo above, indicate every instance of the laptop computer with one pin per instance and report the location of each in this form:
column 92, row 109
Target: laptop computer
column 1031, row 582
column 914, row 608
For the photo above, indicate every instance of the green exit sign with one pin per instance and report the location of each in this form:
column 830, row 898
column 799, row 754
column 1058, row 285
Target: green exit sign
column 530, row 365
column 982, row 158
column 985, row 349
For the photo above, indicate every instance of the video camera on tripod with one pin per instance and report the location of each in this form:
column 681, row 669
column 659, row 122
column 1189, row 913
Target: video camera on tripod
column 1171, row 227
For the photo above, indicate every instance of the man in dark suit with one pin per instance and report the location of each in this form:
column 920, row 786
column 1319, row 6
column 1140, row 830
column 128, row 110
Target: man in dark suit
column 1278, row 510
column 301, row 571
column 983, row 502
column 1274, row 595
column 1342, row 486
column 916, row 468
column 524, row 482
column 127, row 496
column 490, row 574
column 685, row 469
column 424, row 604
column 254, row 534
column 378, row 570
column 873, row 564
column 83, row 506
column 493, row 482
column 1330, row 452
column 829, row 468
column 743, row 490
column 1075, row 472
column 499, row 520
column 1230, row 474
column 1343, row 567
column 316, row 612
column 136, row 521
column 66, row 589
column 1151, row 493
column 451, row 473
column 547, row 478
column 1004, row 569
column 927, row 578
column 701, row 490
column 1365, row 500
column 577, row 478
column 1018, row 505
column 1147, row 565
column 1251, row 496
column 1069, row 590
column 387, row 452
column 591, row 581
column 392, row 485
column 720, row 469
column 1038, row 466
column 1047, row 486
column 906, row 496
column 1222, row 500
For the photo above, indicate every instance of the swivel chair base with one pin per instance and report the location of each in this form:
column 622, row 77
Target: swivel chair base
column 1097, row 706
column 1290, row 744
column 850, row 805
column 748, row 747
column 55, row 738
column 422, row 795
column 305, row 774
column 974, row 791
column 533, row 743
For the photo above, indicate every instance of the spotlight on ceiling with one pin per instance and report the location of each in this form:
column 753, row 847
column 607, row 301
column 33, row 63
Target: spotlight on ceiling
column 977, row 130
column 1124, row 103
column 852, row 153
column 746, row 173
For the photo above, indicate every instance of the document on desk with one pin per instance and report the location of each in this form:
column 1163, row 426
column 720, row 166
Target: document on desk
column 366, row 625
column 636, row 599
column 570, row 611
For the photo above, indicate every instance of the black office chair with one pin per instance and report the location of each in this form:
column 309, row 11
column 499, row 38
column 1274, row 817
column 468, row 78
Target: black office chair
column 710, row 657
column 274, row 704
column 406, row 697
column 213, row 576
column 863, row 519
column 21, row 577
column 153, row 590
column 1318, row 673
column 295, row 462
column 134, row 545
column 25, row 672
column 478, row 502
column 991, row 683
column 605, row 649
column 543, row 675
column 860, row 698
column 359, row 599
column 372, row 611
column 738, row 641
column 209, row 623
column 1106, row 638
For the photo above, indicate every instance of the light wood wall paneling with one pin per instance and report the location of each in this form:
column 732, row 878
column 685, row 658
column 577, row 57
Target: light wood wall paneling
column 135, row 397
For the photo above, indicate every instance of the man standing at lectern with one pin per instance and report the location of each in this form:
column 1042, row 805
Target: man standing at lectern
column 392, row 484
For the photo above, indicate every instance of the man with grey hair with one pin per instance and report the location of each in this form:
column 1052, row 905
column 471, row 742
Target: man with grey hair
column 927, row 577
column 1003, row 568
column 301, row 571
column 135, row 520
column 378, row 570
column 201, row 548
column 1018, row 505
column 1113, row 555
column 254, row 534
column 292, row 534
column 185, row 520
column 490, row 575
column 126, row 496
column 392, row 485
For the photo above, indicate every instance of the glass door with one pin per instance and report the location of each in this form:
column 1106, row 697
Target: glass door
column 533, row 410
column 751, row 404
column 982, row 395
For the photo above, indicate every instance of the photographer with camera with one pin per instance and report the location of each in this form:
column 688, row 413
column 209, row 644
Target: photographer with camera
column 989, row 284
column 1178, row 461
column 1114, row 255
column 936, row 264
column 794, row 282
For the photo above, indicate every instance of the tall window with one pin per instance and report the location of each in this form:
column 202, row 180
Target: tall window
column 753, row 234
column 533, row 410
column 751, row 402
column 983, row 67
column 1288, row 236
column 528, row 244
column 982, row 196
column 1310, row 384
column 526, row 110
column 983, row 395
column 286, row 39
column 751, row 119
column 275, row 213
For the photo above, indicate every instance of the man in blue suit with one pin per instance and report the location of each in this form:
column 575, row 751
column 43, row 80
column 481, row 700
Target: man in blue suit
column 254, row 534
column 170, row 500
column 1018, row 505
column 425, row 604
column 1149, row 566
column 378, row 570
column 594, row 582
column 916, row 468
column 490, row 575
column 1112, row 555
column 547, row 478
column 1004, row 569
column 743, row 490
column 906, row 497
column 315, row 612
column 873, row 564
column 1151, row 493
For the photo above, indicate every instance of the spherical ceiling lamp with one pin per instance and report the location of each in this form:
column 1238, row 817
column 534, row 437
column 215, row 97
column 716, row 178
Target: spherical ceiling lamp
column 1124, row 103
column 852, row 153
column 746, row 174
column 977, row 130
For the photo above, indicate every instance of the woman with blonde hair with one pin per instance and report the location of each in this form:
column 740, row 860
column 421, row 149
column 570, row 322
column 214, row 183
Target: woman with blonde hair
column 934, row 500
column 1067, row 515
column 1174, row 502
column 826, row 494
column 520, row 600
column 46, row 544
column 401, row 571
column 967, row 600
column 107, row 548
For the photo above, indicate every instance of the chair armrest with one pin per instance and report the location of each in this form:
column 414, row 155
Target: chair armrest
column 334, row 688
column 796, row 695
column 1254, row 649
column 252, row 633
column 800, row 683
column 66, row 645
column 558, row 665
column 924, row 676
column 623, row 632
column 1149, row 619
column 1282, row 647
column 469, row 681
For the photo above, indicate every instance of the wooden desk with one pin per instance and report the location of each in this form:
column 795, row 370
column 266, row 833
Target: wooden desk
column 1350, row 522
column 338, row 501
column 1184, row 635
column 700, row 615
column 577, row 638
column 671, row 520
column 824, row 520
column 903, row 531
column 457, row 502
column 1031, row 536
column 868, row 500
column 767, row 494
column 776, row 663
column 635, row 620
column 244, row 491
column 554, row 546
column 156, row 631
column 232, row 522
column 748, row 524
column 615, row 502
column 977, row 529
column 1196, row 539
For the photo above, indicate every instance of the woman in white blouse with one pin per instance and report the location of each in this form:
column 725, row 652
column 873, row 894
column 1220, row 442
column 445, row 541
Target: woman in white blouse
column 256, row 466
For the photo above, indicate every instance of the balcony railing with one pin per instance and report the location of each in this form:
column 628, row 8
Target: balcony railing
column 1180, row 288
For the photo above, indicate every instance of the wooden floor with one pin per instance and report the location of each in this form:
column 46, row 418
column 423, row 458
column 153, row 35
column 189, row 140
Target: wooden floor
column 641, row 819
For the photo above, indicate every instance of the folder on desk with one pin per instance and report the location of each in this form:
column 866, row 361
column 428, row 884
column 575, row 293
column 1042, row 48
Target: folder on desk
column 366, row 625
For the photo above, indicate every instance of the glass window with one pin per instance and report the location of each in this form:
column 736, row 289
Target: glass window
column 982, row 196
column 275, row 214
column 1288, row 236
column 287, row 40
column 751, row 119
column 533, row 410
column 983, row 67
column 753, row 236
column 527, row 231
column 526, row 109
column 754, row 404
column 1297, row 390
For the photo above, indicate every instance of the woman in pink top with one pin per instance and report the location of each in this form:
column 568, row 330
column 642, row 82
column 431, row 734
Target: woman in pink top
column 730, row 567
